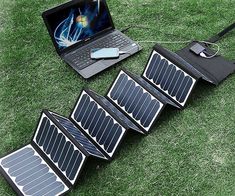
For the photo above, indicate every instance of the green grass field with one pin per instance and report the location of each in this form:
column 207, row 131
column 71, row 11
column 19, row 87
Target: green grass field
column 189, row 152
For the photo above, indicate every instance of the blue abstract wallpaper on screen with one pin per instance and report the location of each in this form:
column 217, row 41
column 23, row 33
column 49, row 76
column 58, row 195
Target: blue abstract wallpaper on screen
column 81, row 22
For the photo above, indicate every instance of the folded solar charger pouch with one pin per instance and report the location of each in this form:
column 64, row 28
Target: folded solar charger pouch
column 213, row 70
column 175, row 74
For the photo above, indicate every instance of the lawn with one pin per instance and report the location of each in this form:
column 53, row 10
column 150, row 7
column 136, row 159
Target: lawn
column 189, row 152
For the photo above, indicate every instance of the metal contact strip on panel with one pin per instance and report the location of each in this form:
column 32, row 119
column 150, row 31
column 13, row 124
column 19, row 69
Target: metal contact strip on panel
column 31, row 174
column 135, row 101
column 171, row 79
column 98, row 123
column 78, row 136
column 59, row 149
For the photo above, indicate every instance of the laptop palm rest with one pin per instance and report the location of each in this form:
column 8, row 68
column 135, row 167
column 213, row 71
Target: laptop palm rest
column 104, row 64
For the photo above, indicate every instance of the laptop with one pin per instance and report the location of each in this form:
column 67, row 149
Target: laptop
column 78, row 26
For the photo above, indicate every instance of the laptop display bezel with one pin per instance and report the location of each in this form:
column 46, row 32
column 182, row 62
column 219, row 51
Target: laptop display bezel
column 59, row 8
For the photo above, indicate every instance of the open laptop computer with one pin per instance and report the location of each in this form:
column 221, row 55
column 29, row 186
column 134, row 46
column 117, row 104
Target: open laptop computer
column 78, row 26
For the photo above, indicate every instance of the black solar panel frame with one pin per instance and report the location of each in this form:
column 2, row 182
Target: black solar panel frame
column 89, row 92
column 48, row 162
column 44, row 156
column 168, row 55
column 120, row 109
column 70, row 137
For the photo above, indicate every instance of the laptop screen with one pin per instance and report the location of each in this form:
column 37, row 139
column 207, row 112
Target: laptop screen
column 78, row 22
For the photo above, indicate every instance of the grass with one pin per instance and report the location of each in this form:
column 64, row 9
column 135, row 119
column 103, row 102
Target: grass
column 189, row 152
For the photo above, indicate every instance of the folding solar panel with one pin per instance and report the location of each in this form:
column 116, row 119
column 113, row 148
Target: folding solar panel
column 98, row 122
column 51, row 163
column 135, row 101
column 171, row 77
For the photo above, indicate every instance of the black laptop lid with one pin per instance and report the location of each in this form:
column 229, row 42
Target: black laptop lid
column 76, row 22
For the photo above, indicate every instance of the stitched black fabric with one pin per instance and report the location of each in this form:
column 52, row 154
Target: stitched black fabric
column 215, row 69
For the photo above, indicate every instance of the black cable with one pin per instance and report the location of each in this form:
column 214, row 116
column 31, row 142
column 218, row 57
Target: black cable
column 217, row 37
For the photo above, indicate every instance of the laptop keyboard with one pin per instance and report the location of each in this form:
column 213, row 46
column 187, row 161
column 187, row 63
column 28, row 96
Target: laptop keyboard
column 81, row 57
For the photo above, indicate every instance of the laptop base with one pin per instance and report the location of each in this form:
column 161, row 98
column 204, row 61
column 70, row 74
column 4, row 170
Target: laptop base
column 100, row 65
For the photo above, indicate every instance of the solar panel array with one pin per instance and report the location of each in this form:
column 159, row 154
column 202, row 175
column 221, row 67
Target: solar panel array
column 135, row 101
column 96, row 127
column 31, row 174
column 62, row 152
column 171, row 79
column 98, row 123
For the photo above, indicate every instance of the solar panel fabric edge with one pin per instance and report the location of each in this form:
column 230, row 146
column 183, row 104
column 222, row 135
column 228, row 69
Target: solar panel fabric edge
column 171, row 60
column 123, row 127
column 162, row 104
column 81, row 151
column 17, row 188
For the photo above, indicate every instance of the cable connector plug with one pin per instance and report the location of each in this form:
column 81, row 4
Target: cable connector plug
column 197, row 49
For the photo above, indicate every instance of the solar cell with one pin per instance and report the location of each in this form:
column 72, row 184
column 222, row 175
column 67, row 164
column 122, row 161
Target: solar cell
column 168, row 77
column 98, row 123
column 31, row 174
column 135, row 100
column 79, row 136
column 59, row 149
